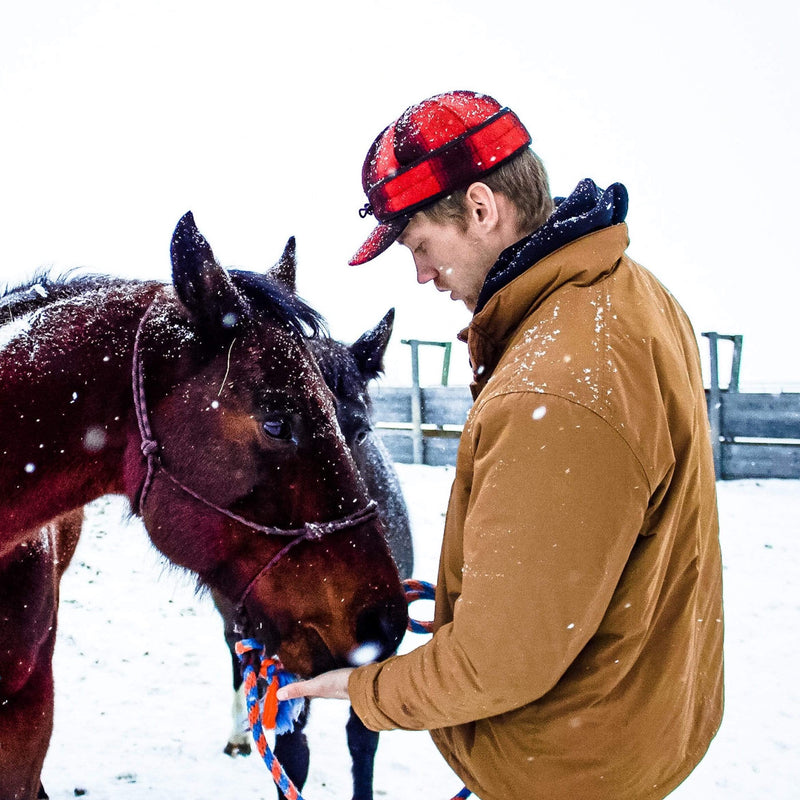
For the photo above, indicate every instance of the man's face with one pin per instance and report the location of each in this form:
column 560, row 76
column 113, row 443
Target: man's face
column 457, row 261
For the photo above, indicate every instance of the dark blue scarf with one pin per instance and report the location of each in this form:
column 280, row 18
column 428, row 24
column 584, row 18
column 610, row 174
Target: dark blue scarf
column 586, row 210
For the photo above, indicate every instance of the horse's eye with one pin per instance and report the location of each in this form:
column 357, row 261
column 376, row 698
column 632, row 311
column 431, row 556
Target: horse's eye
column 278, row 428
column 361, row 436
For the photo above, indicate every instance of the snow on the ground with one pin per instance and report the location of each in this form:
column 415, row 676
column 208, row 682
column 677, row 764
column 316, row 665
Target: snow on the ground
column 143, row 675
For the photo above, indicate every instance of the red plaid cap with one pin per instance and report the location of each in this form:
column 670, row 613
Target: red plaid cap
column 437, row 146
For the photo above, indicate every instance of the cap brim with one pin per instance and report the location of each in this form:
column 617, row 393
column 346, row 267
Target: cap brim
column 380, row 238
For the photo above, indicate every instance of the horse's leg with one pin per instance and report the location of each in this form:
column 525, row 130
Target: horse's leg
column 66, row 531
column 239, row 737
column 291, row 751
column 28, row 632
column 238, row 743
column 362, row 743
column 26, row 722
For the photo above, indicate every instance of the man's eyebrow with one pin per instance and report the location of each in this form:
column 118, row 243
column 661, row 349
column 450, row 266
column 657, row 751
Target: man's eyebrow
column 405, row 235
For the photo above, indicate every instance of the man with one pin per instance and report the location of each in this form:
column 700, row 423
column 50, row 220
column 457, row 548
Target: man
column 577, row 650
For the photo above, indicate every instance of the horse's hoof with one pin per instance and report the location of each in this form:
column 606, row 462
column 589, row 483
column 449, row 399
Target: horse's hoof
column 232, row 749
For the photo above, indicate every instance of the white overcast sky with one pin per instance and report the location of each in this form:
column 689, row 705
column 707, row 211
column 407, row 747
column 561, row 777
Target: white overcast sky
column 117, row 116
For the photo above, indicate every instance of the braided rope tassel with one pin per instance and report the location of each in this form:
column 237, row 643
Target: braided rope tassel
column 264, row 713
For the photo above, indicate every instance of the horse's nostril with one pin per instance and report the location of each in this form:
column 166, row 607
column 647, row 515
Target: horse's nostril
column 378, row 631
column 370, row 626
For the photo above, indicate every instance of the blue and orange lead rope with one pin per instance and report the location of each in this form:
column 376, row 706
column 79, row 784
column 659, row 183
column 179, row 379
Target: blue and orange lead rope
column 264, row 713
column 269, row 713
column 419, row 590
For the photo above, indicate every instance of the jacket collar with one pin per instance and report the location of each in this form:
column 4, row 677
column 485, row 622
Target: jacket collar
column 579, row 263
column 586, row 210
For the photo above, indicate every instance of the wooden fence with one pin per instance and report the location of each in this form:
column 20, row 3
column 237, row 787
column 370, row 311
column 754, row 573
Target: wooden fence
column 421, row 425
column 753, row 435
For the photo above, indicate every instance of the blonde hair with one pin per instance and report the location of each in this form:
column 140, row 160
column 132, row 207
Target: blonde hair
column 522, row 179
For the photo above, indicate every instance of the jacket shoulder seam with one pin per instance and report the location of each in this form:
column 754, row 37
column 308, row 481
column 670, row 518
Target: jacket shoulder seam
column 483, row 401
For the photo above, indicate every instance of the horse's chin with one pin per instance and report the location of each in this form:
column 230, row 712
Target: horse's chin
column 264, row 632
column 302, row 652
column 307, row 655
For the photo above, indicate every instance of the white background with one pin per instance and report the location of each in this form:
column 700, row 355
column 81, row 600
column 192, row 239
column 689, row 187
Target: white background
column 118, row 116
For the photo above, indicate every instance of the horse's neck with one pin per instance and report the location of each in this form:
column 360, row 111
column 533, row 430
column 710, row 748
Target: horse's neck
column 66, row 404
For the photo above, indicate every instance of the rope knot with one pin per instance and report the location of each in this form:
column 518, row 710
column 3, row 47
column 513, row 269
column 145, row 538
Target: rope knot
column 315, row 530
column 248, row 646
column 149, row 447
column 365, row 211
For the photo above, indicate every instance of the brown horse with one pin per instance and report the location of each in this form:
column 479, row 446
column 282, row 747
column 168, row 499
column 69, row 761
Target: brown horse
column 201, row 402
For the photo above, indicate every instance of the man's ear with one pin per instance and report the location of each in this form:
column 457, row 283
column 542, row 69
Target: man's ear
column 481, row 204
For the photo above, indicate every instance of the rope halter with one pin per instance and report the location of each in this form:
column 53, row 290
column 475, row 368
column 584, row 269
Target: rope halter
column 151, row 450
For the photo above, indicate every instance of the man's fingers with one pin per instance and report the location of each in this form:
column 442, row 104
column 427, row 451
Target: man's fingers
column 329, row 684
column 293, row 690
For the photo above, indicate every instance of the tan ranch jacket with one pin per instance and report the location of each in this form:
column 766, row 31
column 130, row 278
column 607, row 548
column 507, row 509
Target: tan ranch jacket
column 577, row 652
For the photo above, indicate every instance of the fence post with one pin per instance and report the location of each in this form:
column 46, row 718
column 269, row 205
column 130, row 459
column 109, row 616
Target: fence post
column 417, row 442
column 715, row 393
column 416, row 404
column 736, row 363
column 446, row 362
column 714, row 401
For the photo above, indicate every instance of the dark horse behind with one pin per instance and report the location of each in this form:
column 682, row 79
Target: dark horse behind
column 202, row 403
column 348, row 371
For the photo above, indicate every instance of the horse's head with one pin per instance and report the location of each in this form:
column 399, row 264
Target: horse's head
column 250, row 457
column 348, row 370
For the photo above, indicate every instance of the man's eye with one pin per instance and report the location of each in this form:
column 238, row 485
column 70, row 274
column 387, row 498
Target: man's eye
column 278, row 428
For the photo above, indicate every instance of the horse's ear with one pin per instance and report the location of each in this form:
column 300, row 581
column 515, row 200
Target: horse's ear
column 369, row 349
column 285, row 270
column 202, row 285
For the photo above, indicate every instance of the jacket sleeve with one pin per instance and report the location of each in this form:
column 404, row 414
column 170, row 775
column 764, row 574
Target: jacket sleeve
column 556, row 503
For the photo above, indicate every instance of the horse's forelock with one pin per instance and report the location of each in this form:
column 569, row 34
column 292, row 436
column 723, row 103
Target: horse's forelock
column 338, row 367
column 269, row 296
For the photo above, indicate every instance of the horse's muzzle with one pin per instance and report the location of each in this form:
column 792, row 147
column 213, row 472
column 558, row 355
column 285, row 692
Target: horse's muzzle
column 379, row 630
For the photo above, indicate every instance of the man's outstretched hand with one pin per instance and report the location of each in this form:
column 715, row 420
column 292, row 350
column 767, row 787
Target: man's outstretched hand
column 330, row 684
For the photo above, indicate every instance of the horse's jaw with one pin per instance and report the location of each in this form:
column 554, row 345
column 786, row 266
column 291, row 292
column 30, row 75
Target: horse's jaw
column 311, row 646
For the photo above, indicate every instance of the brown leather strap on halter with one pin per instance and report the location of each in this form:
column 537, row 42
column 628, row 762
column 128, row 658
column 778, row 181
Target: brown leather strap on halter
column 151, row 450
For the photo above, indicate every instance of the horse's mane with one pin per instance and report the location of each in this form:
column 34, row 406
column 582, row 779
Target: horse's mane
column 43, row 290
column 264, row 294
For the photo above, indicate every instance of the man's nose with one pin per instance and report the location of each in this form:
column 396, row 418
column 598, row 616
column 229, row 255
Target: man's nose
column 425, row 273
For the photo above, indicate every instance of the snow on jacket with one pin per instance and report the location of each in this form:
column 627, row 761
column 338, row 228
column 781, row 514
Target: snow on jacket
column 578, row 627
